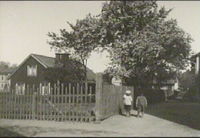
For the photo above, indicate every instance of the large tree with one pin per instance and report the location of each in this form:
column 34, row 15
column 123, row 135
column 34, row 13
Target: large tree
column 142, row 43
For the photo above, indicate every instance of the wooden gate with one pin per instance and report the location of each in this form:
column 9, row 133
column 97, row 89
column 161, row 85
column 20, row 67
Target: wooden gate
column 112, row 99
column 109, row 98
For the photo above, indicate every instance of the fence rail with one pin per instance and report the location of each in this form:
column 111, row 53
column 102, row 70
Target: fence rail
column 79, row 102
column 72, row 102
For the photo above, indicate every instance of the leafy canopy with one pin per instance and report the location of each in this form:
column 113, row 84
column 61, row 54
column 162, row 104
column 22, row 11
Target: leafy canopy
column 141, row 41
column 77, row 42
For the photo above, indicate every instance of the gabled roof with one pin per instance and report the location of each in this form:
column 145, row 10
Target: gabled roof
column 49, row 62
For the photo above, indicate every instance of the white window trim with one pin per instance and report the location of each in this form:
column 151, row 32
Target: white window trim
column 20, row 88
column 32, row 70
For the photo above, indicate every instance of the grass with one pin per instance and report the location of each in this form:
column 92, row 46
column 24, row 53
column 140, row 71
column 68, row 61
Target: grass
column 5, row 132
column 185, row 113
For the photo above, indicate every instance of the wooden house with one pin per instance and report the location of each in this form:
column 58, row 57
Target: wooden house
column 33, row 71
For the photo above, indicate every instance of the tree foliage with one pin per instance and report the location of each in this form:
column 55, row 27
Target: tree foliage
column 77, row 42
column 71, row 71
column 187, row 80
column 143, row 44
column 6, row 66
column 141, row 41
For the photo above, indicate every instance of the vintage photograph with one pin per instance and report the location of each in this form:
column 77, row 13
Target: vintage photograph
column 113, row 68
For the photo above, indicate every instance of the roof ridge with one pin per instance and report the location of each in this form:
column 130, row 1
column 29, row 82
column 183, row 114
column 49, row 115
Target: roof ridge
column 33, row 54
column 72, row 60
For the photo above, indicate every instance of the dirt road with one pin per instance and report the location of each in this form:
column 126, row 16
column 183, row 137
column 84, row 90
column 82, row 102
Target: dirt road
column 150, row 125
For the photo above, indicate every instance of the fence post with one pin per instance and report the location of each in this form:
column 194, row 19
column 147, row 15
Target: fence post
column 133, row 96
column 98, row 97
column 33, row 104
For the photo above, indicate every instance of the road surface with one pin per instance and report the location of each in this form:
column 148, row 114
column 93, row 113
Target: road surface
column 150, row 125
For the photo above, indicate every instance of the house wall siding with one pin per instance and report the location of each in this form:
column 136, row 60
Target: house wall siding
column 20, row 76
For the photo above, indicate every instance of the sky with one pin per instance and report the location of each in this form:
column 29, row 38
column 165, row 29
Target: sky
column 24, row 26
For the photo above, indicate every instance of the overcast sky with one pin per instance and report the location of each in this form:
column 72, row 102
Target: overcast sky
column 24, row 26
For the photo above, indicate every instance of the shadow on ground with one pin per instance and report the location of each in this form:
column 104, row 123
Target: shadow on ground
column 184, row 113
column 5, row 132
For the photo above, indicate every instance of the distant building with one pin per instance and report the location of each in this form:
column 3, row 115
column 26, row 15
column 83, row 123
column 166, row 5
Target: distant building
column 195, row 63
column 195, row 68
column 169, row 86
column 4, row 81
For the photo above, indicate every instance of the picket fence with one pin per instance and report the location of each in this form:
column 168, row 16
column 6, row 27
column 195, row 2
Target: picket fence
column 80, row 102
column 73, row 102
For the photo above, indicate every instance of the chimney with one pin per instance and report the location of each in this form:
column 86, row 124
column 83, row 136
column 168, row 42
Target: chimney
column 61, row 59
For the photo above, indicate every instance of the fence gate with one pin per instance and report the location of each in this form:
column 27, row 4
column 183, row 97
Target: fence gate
column 112, row 99
column 109, row 98
column 72, row 102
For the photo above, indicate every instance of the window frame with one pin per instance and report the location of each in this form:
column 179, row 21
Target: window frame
column 32, row 70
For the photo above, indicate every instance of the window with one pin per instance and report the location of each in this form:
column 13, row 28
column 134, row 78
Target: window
column 6, row 87
column 29, row 70
column 20, row 88
column 32, row 70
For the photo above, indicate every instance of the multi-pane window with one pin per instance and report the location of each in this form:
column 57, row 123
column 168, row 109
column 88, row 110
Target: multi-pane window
column 32, row 70
column 20, row 88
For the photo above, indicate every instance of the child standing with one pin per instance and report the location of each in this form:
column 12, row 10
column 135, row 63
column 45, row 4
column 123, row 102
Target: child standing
column 127, row 102
column 141, row 103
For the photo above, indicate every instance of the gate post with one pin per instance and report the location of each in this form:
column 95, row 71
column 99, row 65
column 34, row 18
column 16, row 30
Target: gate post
column 98, row 97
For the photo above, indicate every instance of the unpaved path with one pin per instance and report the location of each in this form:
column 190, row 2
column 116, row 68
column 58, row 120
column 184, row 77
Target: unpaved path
column 150, row 125
column 114, row 126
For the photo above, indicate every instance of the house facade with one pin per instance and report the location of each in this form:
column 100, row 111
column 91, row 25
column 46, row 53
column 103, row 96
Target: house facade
column 195, row 69
column 32, row 71
column 195, row 63
column 4, row 78
column 168, row 86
